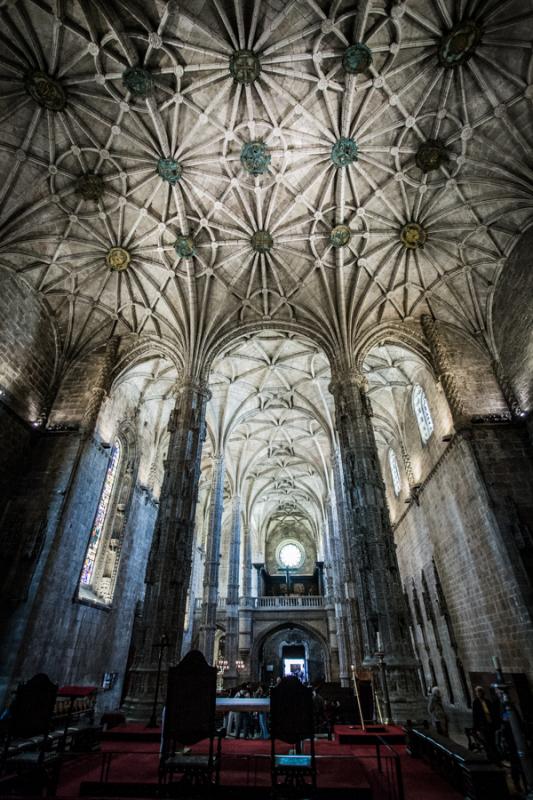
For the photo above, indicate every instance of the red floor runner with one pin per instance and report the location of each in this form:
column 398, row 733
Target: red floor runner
column 246, row 762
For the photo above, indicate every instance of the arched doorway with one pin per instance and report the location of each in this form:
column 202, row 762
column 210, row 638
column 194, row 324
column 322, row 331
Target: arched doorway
column 291, row 648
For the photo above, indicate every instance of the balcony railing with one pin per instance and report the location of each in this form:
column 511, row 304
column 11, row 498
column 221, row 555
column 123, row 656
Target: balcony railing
column 266, row 603
column 309, row 601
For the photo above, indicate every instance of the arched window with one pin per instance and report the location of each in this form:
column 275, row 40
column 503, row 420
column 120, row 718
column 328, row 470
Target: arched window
column 422, row 412
column 395, row 472
column 98, row 574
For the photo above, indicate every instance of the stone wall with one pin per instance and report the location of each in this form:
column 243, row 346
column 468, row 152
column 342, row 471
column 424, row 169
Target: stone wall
column 28, row 348
column 73, row 394
column 71, row 641
column 16, row 438
column 456, row 525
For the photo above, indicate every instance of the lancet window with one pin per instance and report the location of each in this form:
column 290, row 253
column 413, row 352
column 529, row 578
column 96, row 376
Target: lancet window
column 100, row 565
column 422, row 413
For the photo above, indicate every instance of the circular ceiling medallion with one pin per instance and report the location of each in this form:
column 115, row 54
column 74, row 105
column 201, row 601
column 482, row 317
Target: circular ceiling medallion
column 357, row 58
column 138, row 80
column 169, row 170
column 344, row 152
column 46, row 91
column 431, row 155
column 459, row 43
column 413, row 236
column 262, row 241
column 339, row 236
column 290, row 554
column 255, row 158
column 91, row 187
column 184, row 247
column 117, row 259
column 245, row 67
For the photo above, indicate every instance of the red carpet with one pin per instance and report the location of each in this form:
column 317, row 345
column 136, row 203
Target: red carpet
column 245, row 762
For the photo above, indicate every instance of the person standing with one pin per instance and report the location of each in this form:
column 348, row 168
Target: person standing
column 261, row 716
column 243, row 717
column 437, row 714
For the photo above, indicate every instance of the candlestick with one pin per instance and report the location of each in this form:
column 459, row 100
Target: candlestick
column 378, row 640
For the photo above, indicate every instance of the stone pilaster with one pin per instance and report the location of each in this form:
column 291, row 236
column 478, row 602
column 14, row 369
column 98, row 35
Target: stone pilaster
column 208, row 624
column 507, row 390
column 335, row 607
column 169, row 565
column 346, row 556
column 232, row 601
column 441, row 362
column 379, row 591
column 101, row 386
column 246, row 600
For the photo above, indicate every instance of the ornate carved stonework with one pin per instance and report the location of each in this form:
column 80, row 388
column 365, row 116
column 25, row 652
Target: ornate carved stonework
column 339, row 236
column 413, row 236
column 262, row 242
column 139, row 81
column 255, row 157
column 344, row 152
column 45, row 90
column 169, row 170
column 459, row 43
column 245, row 67
column 118, row 259
column 357, row 58
column 184, row 246
column 431, row 155
column 91, row 187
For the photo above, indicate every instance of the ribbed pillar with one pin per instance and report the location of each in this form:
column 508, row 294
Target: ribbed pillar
column 380, row 598
column 349, row 575
column 246, row 600
column 441, row 362
column 169, row 565
column 335, row 605
column 232, row 601
column 208, row 624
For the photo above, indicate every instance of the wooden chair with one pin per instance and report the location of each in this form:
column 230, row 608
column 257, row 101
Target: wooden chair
column 189, row 717
column 27, row 748
column 292, row 721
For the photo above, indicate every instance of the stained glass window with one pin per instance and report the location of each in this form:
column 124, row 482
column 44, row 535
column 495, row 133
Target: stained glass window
column 395, row 472
column 422, row 412
column 87, row 572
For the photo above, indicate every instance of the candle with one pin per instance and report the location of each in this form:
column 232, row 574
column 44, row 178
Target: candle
column 496, row 662
column 378, row 640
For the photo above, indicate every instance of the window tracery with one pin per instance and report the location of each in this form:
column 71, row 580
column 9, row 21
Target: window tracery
column 102, row 557
column 395, row 472
column 422, row 413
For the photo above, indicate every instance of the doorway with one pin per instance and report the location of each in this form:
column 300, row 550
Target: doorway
column 293, row 661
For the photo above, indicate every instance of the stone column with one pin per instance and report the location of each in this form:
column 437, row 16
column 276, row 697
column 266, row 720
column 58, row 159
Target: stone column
column 246, row 600
column 333, row 601
column 232, row 601
column 441, row 362
column 349, row 575
column 379, row 590
column 336, row 587
column 169, row 565
column 208, row 624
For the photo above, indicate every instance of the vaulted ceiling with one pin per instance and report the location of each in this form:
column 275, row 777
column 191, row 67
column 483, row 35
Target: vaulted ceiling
column 178, row 169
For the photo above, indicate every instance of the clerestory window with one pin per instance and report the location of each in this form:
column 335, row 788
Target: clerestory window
column 395, row 472
column 422, row 413
column 98, row 574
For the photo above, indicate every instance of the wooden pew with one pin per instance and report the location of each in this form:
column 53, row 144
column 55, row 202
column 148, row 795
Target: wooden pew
column 468, row 772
